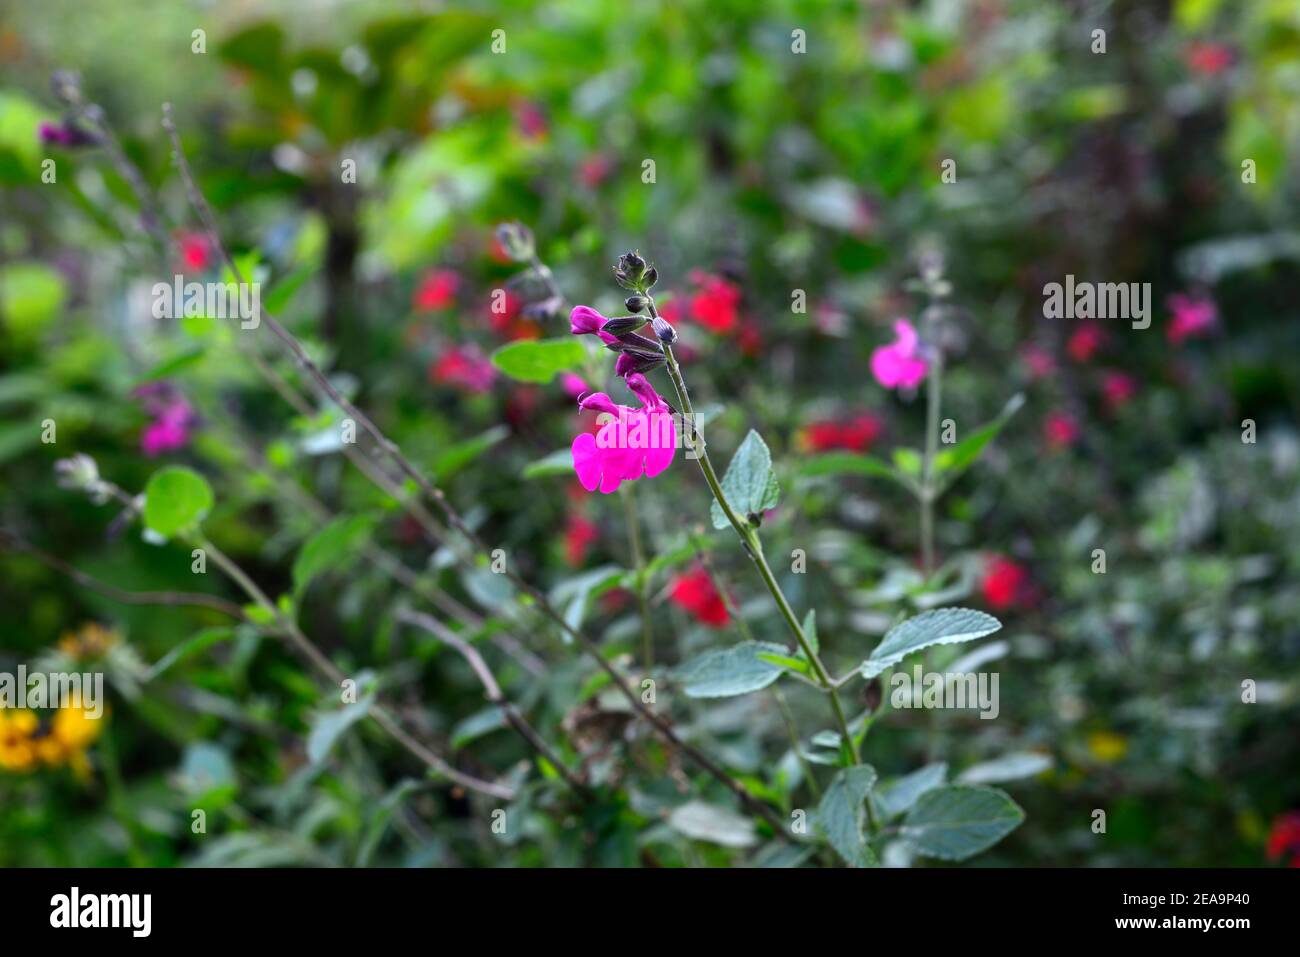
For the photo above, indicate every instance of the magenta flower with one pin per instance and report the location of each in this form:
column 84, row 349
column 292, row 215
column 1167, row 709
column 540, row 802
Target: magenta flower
column 575, row 385
column 899, row 365
column 1193, row 317
column 587, row 321
column 630, row 442
column 173, row 417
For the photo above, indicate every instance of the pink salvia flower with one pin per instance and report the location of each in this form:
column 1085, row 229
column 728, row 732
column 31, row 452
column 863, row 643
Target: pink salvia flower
column 630, row 442
column 1193, row 317
column 574, row 385
column 587, row 321
column 899, row 365
column 169, row 431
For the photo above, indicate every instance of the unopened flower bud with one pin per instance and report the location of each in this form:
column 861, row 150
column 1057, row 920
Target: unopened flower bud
column 629, row 271
column 76, row 473
column 650, row 278
column 664, row 330
column 636, row 303
column 621, row 325
column 516, row 241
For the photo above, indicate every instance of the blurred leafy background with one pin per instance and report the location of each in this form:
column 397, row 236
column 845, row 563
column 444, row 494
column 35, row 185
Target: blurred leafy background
column 774, row 171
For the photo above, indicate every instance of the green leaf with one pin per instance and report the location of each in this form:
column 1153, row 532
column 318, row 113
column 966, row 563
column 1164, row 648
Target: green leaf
column 182, row 360
column 538, row 360
column 955, row 823
column 787, row 662
column 333, row 547
column 939, row 626
column 908, row 461
column 559, row 462
column 846, row 463
column 31, row 294
column 176, row 500
column 841, row 812
column 898, row 795
column 717, row 825
column 725, row 672
column 455, row 457
column 810, row 630
column 282, row 292
column 476, row 725
column 750, row 485
column 951, row 463
column 190, row 646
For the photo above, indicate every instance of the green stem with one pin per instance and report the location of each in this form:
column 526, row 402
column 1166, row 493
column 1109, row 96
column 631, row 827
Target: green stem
column 750, row 541
column 638, row 558
column 929, row 488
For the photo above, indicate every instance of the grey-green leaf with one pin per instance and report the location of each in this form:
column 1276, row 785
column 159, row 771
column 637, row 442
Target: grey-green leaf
column 329, row 726
column 954, row 823
column 841, row 812
column 897, row 796
column 1009, row 767
column 750, row 485
column 717, row 825
column 726, row 672
column 939, row 626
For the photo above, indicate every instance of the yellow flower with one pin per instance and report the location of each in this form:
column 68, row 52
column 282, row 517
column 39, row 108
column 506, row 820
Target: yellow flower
column 91, row 640
column 17, row 748
column 1107, row 746
column 73, row 729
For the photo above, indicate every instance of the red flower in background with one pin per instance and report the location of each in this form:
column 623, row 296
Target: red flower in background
column 464, row 367
column 1284, row 839
column 579, row 535
column 1208, row 58
column 695, row 593
column 1005, row 584
column 437, row 290
column 1060, row 431
column 1085, row 341
column 851, row 435
column 715, row 304
column 196, row 250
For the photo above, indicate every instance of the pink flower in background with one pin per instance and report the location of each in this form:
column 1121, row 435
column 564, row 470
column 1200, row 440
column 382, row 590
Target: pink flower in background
column 437, row 290
column 1085, row 341
column 173, row 418
column 464, row 367
column 630, row 442
column 1060, row 431
column 1193, row 317
column 530, row 121
column 1038, row 361
column 1208, row 58
column 64, row 134
column 1117, row 389
column 595, row 169
column 574, row 385
column 899, row 365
